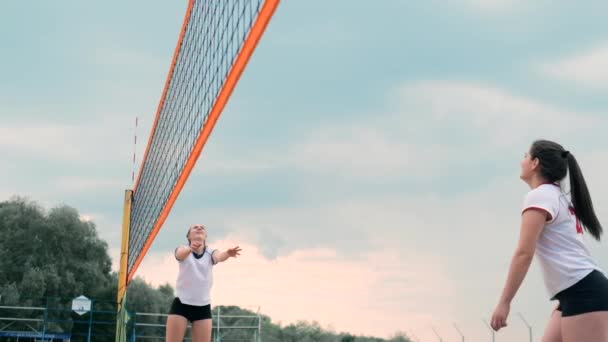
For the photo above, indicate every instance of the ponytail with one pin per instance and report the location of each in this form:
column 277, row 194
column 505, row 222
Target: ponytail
column 581, row 199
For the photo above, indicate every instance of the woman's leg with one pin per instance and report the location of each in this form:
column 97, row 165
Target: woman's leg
column 201, row 330
column 176, row 328
column 588, row 327
column 553, row 332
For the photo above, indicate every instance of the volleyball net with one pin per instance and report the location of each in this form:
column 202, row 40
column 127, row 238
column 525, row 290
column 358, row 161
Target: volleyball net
column 217, row 39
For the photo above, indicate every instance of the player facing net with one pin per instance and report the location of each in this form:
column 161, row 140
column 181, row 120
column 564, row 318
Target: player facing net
column 215, row 44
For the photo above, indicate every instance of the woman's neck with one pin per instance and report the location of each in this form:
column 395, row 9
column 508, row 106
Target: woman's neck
column 199, row 250
column 535, row 182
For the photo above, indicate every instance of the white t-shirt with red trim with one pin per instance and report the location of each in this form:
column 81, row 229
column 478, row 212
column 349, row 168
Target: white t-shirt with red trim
column 560, row 249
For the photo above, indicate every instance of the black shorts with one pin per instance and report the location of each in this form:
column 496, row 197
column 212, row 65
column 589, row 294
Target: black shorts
column 590, row 294
column 191, row 312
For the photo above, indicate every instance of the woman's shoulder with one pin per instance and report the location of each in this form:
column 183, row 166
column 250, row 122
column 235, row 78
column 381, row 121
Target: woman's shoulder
column 543, row 194
column 545, row 190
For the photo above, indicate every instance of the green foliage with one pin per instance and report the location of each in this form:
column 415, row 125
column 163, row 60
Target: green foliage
column 50, row 255
column 297, row 332
column 47, row 259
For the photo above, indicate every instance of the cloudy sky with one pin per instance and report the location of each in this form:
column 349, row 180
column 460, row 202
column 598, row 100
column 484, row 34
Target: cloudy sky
column 367, row 162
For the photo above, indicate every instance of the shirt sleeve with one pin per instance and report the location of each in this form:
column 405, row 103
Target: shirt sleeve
column 211, row 251
column 175, row 254
column 541, row 199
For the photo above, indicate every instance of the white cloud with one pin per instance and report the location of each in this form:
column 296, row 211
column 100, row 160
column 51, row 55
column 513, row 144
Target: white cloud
column 469, row 238
column 260, row 163
column 435, row 129
column 126, row 57
column 87, row 217
column 28, row 138
column 107, row 139
column 291, row 287
column 588, row 68
column 360, row 151
column 88, row 184
column 432, row 126
column 114, row 253
column 379, row 242
column 494, row 5
column 493, row 117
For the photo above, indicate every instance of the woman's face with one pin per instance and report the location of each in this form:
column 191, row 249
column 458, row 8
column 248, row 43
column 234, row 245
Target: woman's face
column 197, row 233
column 529, row 166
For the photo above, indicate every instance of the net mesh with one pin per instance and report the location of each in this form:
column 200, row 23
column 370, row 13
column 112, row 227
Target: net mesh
column 213, row 36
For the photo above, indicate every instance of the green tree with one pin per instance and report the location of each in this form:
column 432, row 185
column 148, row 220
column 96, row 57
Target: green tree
column 348, row 338
column 49, row 258
column 400, row 337
column 54, row 254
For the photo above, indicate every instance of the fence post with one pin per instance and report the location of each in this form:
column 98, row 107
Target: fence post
column 217, row 336
column 90, row 319
column 45, row 316
column 259, row 339
column 133, row 334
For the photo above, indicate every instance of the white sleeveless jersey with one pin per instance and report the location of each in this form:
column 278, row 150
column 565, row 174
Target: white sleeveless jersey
column 560, row 249
column 195, row 279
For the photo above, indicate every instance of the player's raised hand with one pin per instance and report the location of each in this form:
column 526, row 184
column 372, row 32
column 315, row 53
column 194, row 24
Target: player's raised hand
column 234, row 252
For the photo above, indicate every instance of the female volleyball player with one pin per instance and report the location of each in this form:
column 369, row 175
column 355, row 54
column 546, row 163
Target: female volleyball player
column 552, row 227
column 194, row 281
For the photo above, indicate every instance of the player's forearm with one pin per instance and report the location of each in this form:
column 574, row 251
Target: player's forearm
column 221, row 256
column 517, row 272
column 183, row 252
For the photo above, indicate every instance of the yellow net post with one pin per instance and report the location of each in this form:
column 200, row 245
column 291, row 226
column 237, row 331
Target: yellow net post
column 121, row 315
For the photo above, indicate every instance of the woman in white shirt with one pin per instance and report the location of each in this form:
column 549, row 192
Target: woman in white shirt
column 194, row 281
column 552, row 228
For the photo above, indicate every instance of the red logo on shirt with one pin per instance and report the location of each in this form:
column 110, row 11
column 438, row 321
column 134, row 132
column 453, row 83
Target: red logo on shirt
column 579, row 226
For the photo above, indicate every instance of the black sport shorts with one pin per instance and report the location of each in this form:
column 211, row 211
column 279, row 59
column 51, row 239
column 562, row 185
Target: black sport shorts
column 191, row 312
column 590, row 294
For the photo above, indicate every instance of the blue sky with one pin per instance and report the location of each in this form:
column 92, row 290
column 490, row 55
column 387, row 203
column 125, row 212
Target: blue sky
column 367, row 136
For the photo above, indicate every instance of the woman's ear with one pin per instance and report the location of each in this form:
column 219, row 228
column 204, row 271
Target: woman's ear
column 535, row 163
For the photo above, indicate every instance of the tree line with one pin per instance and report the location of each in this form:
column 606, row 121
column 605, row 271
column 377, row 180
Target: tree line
column 47, row 258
